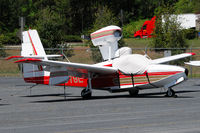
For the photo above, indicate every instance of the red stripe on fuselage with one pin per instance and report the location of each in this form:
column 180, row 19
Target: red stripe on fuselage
column 152, row 74
column 128, row 77
column 73, row 81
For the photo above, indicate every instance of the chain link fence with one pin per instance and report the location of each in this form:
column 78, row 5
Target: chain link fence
column 84, row 55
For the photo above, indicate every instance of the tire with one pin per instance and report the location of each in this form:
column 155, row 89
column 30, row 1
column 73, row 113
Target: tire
column 170, row 93
column 86, row 94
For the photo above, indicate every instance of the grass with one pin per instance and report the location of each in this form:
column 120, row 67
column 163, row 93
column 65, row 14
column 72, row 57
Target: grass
column 142, row 43
column 8, row 68
column 194, row 43
column 137, row 43
column 81, row 55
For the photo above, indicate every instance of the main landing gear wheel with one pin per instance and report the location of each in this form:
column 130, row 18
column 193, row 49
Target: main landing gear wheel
column 86, row 94
column 133, row 93
column 170, row 93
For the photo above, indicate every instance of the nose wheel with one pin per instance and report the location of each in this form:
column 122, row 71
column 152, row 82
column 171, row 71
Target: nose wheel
column 170, row 93
column 86, row 93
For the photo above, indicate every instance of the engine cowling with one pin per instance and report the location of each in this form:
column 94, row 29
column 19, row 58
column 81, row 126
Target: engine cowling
column 107, row 40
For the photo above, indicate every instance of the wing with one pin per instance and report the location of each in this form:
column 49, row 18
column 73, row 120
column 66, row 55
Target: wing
column 171, row 58
column 72, row 69
column 193, row 63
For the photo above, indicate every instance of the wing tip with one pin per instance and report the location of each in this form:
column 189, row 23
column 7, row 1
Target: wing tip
column 192, row 53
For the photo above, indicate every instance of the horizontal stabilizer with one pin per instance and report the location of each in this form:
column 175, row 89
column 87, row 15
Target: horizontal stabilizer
column 27, row 60
column 33, row 56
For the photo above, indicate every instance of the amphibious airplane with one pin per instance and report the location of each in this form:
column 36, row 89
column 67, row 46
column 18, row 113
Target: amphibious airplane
column 120, row 71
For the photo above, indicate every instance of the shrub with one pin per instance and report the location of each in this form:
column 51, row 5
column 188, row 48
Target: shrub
column 2, row 51
column 11, row 39
column 190, row 33
column 168, row 34
column 72, row 38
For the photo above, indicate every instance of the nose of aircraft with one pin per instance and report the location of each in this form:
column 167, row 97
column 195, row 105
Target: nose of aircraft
column 167, row 69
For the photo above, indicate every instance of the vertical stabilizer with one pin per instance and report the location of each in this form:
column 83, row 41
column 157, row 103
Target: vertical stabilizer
column 107, row 40
column 32, row 46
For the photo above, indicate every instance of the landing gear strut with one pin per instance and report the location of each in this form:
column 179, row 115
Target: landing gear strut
column 86, row 93
column 170, row 93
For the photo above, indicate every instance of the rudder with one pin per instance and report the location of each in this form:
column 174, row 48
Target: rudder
column 32, row 46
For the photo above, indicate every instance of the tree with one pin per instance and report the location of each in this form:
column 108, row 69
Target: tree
column 104, row 17
column 184, row 6
column 50, row 26
column 188, row 6
column 196, row 4
column 168, row 32
column 2, row 51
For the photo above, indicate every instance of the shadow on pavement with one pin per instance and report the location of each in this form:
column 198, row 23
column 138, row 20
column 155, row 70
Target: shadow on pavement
column 78, row 98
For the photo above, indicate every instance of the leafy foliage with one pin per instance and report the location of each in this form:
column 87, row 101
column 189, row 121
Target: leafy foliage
column 72, row 38
column 54, row 19
column 104, row 17
column 49, row 26
column 168, row 34
column 2, row 51
column 188, row 6
column 184, row 6
column 131, row 28
column 190, row 33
